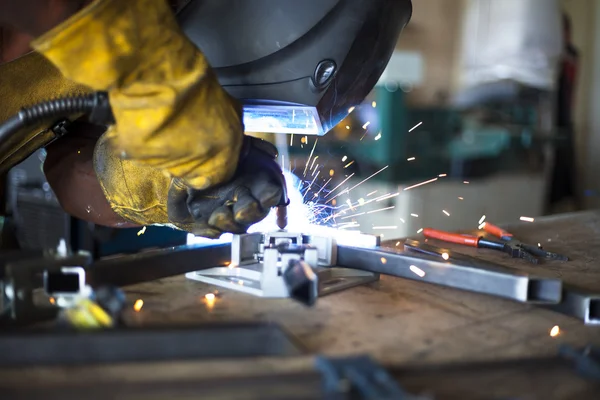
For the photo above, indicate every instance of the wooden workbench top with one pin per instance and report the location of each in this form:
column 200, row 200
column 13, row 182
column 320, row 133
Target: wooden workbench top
column 404, row 321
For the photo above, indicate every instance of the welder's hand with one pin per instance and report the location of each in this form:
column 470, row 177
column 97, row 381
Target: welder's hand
column 257, row 185
column 171, row 113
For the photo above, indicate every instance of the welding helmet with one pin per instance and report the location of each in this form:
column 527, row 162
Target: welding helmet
column 297, row 66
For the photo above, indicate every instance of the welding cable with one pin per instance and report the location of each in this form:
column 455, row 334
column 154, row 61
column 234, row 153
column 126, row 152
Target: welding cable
column 95, row 105
column 467, row 240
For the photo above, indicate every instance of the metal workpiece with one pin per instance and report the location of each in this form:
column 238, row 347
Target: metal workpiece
column 156, row 264
column 579, row 303
column 458, row 272
column 18, row 303
column 135, row 344
column 285, row 265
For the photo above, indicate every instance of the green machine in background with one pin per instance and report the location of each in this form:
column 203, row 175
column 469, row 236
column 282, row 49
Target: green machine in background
column 420, row 143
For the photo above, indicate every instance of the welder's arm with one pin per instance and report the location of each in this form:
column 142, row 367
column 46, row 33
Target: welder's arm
column 170, row 111
column 175, row 154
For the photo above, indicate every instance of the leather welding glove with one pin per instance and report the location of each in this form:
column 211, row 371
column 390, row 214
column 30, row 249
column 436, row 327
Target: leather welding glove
column 146, row 195
column 171, row 113
column 258, row 185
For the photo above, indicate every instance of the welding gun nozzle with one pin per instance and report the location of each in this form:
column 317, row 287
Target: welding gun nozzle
column 282, row 217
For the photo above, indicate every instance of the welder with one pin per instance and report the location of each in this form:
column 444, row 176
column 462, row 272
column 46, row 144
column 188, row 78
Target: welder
column 176, row 153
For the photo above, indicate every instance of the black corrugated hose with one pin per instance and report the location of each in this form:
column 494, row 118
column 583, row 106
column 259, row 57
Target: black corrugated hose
column 95, row 105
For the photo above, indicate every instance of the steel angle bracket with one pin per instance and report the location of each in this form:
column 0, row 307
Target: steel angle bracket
column 258, row 263
column 452, row 270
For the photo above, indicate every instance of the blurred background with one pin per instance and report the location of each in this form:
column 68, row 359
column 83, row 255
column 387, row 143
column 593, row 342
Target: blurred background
column 486, row 109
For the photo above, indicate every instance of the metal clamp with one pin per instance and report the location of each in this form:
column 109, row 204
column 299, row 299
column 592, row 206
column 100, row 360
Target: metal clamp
column 284, row 264
column 360, row 376
column 60, row 276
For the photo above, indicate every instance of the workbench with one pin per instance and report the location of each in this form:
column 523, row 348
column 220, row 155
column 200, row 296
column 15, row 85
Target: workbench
column 407, row 324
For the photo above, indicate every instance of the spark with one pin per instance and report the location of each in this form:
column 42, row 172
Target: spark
column 344, row 158
column 416, row 126
column 316, row 169
column 209, row 296
column 360, row 183
column 539, row 245
column 52, row 300
column 421, row 184
column 351, row 109
column 555, row 331
column 291, row 140
column 466, row 182
column 446, row 212
column 363, row 136
column 374, row 104
column 481, row 226
column 231, row 266
column 389, row 227
column 372, row 193
column 417, row 271
column 445, row 256
column 414, row 215
column 397, row 244
column 411, row 159
column 323, row 187
column 442, row 175
column 313, row 181
column 310, row 156
column 366, row 125
column 481, row 219
column 349, row 164
column 387, row 196
column 402, row 220
column 355, row 225
column 378, row 136
column 335, row 188
column 350, row 205
column 137, row 306
column 209, row 299
column 361, row 201
column 526, row 219
column 420, row 230
column 461, row 198
column 353, row 215
column 348, row 127
column 141, row 231
column 331, row 172
column 381, row 209
column 383, row 260
column 313, row 163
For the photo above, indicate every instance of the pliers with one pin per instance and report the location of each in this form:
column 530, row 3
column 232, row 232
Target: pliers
column 509, row 244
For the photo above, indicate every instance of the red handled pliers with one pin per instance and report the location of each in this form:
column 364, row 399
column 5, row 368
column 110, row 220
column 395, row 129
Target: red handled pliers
column 509, row 244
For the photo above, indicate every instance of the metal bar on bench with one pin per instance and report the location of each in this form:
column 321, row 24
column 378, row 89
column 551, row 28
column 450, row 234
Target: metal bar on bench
column 135, row 344
column 156, row 264
column 579, row 303
column 460, row 272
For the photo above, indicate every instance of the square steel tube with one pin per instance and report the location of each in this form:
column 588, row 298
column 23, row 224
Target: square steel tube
column 474, row 276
